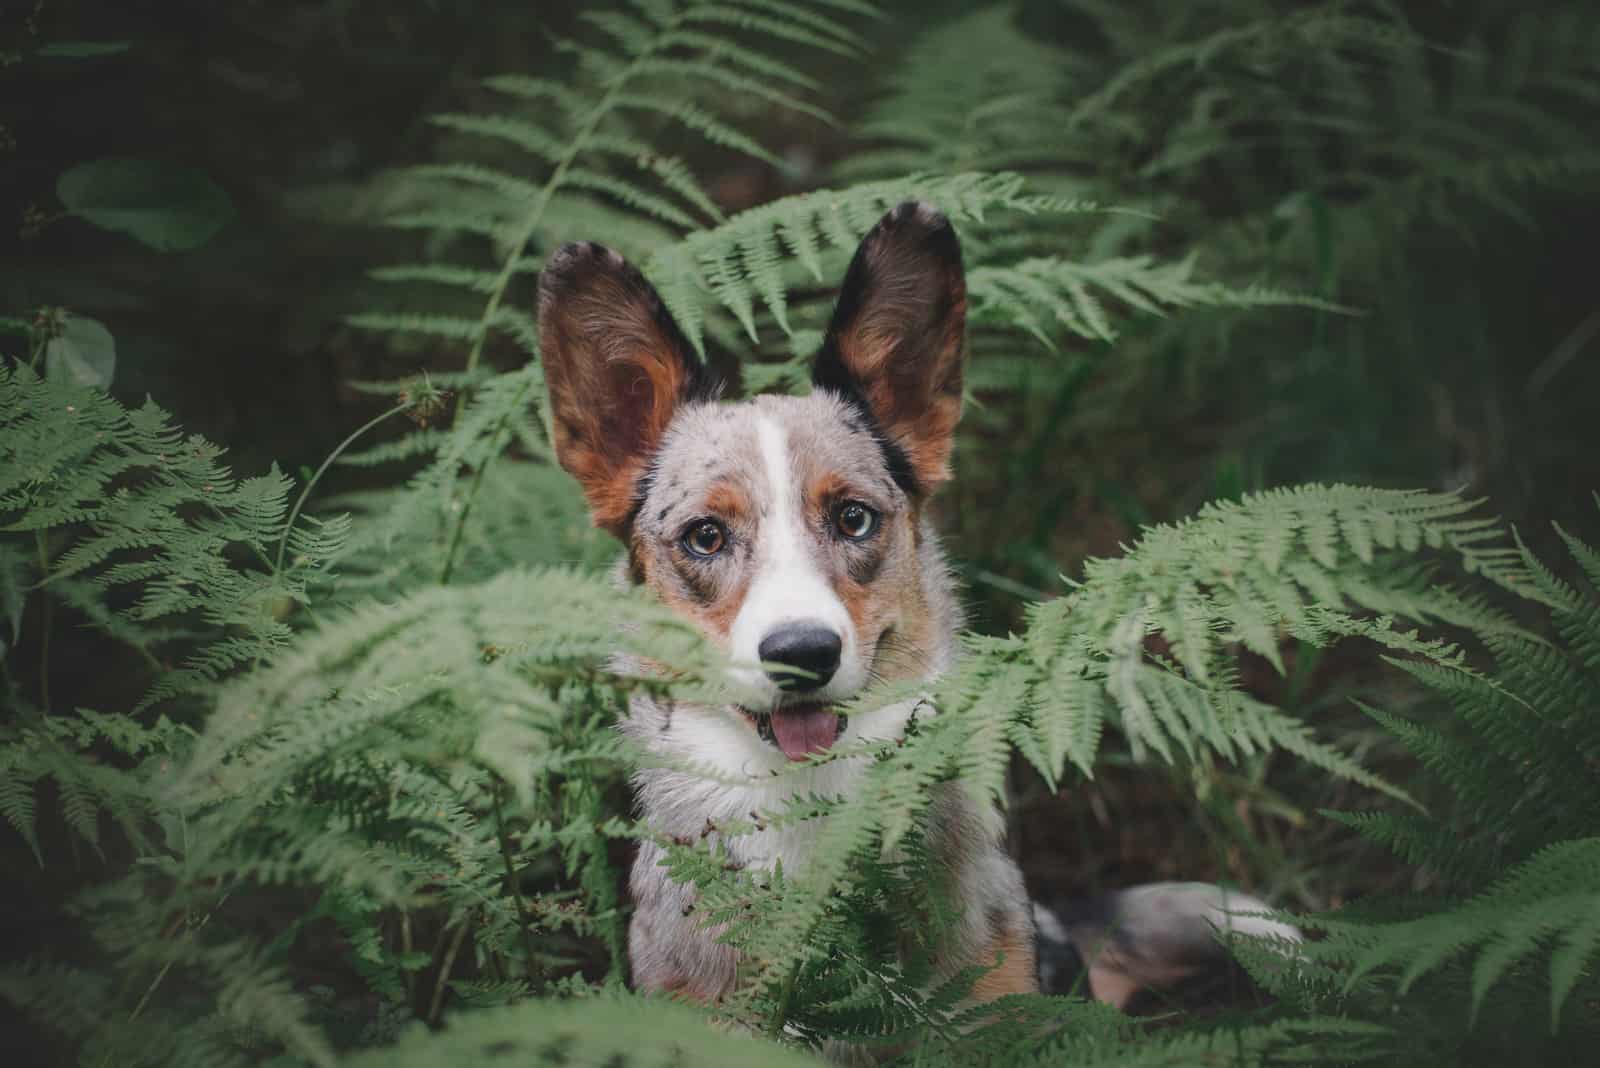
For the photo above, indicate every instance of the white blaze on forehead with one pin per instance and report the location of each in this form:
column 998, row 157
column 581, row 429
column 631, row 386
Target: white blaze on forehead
column 787, row 586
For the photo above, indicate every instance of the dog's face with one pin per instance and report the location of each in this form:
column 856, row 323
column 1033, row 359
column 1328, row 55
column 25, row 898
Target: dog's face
column 786, row 528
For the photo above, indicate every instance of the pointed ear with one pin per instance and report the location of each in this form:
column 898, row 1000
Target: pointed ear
column 895, row 344
column 617, row 368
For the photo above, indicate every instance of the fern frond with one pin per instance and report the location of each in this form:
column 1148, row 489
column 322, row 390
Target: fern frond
column 742, row 260
column 695, row 47
column 1043, row 296
column 160, row 514
column 1555, row 890
column 1517, row 756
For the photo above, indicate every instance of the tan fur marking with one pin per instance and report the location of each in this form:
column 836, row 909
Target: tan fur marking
column 680, row 989
column 858, row 601
column 728, row 500
column 1115, row 978
column 715, row 620
column 610, row 492
column 826, row 488
column 1015, row 974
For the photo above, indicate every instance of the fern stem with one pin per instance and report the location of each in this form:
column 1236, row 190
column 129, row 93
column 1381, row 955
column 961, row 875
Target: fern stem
column 407, row 947
column 513, row 886
column 38, row 340
column 294, row 513
column 461, row 524
column 46, row 613
column 166, row 968
column 535, row 215
column 524, row 234
column 472, row 494
column 436, row 1003
column 785, row 998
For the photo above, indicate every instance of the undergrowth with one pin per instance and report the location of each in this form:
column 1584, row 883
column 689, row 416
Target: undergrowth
column 368, row 786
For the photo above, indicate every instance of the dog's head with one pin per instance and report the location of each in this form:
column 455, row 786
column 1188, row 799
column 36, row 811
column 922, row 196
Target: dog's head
column 787, row 528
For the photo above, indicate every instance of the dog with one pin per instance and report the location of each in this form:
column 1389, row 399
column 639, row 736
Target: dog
column 794, row 533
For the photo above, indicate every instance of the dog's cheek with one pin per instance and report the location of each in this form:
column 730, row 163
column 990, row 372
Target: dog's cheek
column 867, row 586
column 716, row 617
column 915, row 627
column 709, row 600
column 858, row 601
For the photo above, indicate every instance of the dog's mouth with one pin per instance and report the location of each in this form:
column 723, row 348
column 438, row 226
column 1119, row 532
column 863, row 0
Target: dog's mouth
column 799, row 730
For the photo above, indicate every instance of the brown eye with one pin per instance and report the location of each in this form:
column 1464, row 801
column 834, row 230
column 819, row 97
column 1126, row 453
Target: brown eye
column 855, row 520
column 705, row 537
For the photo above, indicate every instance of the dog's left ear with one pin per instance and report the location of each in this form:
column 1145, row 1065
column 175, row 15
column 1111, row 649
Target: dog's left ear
column 895, row 344
column 617, row 368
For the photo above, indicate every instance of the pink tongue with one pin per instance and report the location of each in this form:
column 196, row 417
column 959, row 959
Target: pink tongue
column 805, row 730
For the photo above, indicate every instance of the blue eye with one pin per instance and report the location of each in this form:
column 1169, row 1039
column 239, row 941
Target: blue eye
column 855, row 520
column 704, row 537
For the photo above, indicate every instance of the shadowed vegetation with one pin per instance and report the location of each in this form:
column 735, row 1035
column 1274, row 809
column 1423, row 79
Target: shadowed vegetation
column 308, row 754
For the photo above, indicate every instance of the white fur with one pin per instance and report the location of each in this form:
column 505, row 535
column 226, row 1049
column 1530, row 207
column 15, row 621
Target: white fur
column 718, row 738
column 714, row 768
column 788, row 587
column 1176, row 920
column 1228, row 911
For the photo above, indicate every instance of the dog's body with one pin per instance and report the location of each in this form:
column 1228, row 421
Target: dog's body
column 669, row 948
column 792, row 531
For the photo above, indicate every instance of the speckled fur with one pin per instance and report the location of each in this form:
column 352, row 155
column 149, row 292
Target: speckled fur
column 669, row 949
column 636, row 421
column 638, row 427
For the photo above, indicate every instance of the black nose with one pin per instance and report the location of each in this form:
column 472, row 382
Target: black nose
column 808, row 646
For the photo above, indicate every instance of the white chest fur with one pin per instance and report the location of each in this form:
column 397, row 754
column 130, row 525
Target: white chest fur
column 725, row 773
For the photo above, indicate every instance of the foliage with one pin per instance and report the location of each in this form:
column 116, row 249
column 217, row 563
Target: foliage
column 366, row 783
column 436, row 755
column 167, row 208
column 599, row 1030
column 1412, row 167
column 1512, row 938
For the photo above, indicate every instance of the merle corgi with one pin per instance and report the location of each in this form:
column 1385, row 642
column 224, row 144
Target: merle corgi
column 794, row 533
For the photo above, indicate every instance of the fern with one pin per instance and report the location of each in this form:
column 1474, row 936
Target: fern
column 762, row 255
column 1282, row 563
column 418, row 783
column 1518, row 845
column 655, row 61
column 1044, row 296
column 603, row 1030
column 972, row 91
column 122, row 503
column 744, row 258
column 1296, row 563
column 128, row 477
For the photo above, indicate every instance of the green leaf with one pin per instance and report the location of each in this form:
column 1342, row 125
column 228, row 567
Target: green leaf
column 85, row 354
column 167, row 207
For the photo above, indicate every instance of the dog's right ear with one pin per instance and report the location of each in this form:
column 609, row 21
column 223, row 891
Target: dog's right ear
column 617, row 367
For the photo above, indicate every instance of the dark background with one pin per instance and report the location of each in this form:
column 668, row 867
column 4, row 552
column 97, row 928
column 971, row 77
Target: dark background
column 1470, row 363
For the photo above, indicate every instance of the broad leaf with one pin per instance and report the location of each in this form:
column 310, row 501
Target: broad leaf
column 84, row 354
column 169, row 208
